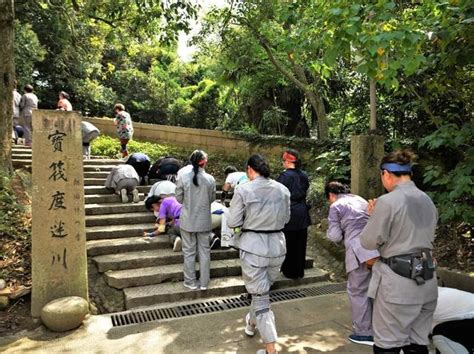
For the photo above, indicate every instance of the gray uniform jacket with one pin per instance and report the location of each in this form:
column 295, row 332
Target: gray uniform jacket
column 196, row 201
column 28, row 102
column 261, row 204
column 403, row 222
column 120, row 172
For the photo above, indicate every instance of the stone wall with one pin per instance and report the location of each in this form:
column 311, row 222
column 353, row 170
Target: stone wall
column 207, row 140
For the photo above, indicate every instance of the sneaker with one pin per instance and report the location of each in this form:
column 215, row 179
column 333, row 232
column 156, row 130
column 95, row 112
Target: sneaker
column 249, row 328
column 123, row 194
column 203, row 288
column 136, row 197
column 177, row 245
column 215, row 242
column 225, row 241
column 191, row 287
column 366, row 340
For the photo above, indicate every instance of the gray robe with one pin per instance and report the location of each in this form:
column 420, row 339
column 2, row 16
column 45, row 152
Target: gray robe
column 261, row 205
column 403, row 222
column 120, row 173
column 196, row 200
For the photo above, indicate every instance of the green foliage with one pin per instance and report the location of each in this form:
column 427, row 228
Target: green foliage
column 452, row 180
column 110, row 147
column 273, row 121
column 15, row 222
column 334, row 165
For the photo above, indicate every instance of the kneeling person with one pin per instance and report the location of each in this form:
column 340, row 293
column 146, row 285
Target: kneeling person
column 124, row 180
column 167, row 211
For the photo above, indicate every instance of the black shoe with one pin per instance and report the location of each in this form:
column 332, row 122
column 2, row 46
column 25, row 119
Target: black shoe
column 215, row 243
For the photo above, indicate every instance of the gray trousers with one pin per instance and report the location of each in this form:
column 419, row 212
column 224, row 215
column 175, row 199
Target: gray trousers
column 28, row 129
column 126, row 183
column 196, row 243
column 259, row 273
column 398, row 325
column 361, row 306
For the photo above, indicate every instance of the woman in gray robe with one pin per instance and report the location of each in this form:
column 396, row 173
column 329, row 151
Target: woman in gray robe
column 196, row 190
column 403, row 285
column 261, row 208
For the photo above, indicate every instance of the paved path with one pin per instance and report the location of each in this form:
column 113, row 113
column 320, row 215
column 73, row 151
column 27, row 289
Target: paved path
column 311, row 325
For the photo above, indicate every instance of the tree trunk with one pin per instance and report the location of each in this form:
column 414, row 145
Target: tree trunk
column 373, row 105
column 7, row 74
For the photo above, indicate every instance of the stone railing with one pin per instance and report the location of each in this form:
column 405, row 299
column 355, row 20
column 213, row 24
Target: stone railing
column 207, row 140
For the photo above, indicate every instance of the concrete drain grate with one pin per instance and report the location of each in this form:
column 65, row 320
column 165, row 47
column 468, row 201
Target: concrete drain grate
column 152, row 315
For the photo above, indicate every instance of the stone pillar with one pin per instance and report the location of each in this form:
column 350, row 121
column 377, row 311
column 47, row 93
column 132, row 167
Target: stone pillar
column 59, row 260
column 366, row 153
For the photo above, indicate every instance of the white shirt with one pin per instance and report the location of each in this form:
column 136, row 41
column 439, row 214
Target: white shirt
column 236, row 178
column 16, row 104
column 183, row 170
column 453, row 305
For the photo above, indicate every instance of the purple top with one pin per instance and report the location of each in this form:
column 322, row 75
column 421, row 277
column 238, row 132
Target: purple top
column 347, row 218
column 170, row 209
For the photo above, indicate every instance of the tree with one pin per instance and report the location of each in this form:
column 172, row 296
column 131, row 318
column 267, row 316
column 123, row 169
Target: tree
column 279, row 29
column 7, row 74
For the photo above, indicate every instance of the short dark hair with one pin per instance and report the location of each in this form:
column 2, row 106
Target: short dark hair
column 154, row 199
column 230, row 169
column 119, row 106
column 259, row 164
column 28, row 88
column 335, row 187
column 400, row 157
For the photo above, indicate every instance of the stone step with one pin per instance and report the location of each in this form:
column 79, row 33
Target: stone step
column 121, row 279
column 94, row 181
column 150, row 295
column 150, row 258
column 117, row 231
column 21, row 147
column 98, row 168
column 129, row 244
column 21, row 156
column 106, row 198
column 114, row 208
column 123, row 218
column 102, row 190
column 96, row 174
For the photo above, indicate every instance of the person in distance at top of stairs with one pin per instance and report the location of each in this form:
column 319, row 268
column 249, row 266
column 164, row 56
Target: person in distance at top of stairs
column 196, row 190
column 347, row 218
column 123, row 179
column 124, row 126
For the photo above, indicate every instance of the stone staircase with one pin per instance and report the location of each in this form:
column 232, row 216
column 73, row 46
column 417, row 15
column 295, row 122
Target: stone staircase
column 146, row 271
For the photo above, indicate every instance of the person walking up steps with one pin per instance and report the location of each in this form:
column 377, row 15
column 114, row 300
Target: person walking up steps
column 28, row 102
column 260, row 208
column 196, row 190
column 124, row 126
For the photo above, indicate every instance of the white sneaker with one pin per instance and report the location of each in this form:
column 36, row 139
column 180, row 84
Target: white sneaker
column 192, row 287
column 136, row 197
column 177, row 245
column 225, row 241
column 249, row 328
column 203, row 288
column 123, row 194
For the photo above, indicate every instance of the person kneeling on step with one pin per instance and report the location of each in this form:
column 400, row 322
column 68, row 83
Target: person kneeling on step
column 124, row 180
column 167, row 211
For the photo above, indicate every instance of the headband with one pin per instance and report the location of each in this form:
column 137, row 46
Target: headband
column 202, row 162
column 395, row 167
column 289, row 157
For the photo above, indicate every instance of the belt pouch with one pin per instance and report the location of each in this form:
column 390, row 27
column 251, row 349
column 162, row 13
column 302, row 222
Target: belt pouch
column 401, row 266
